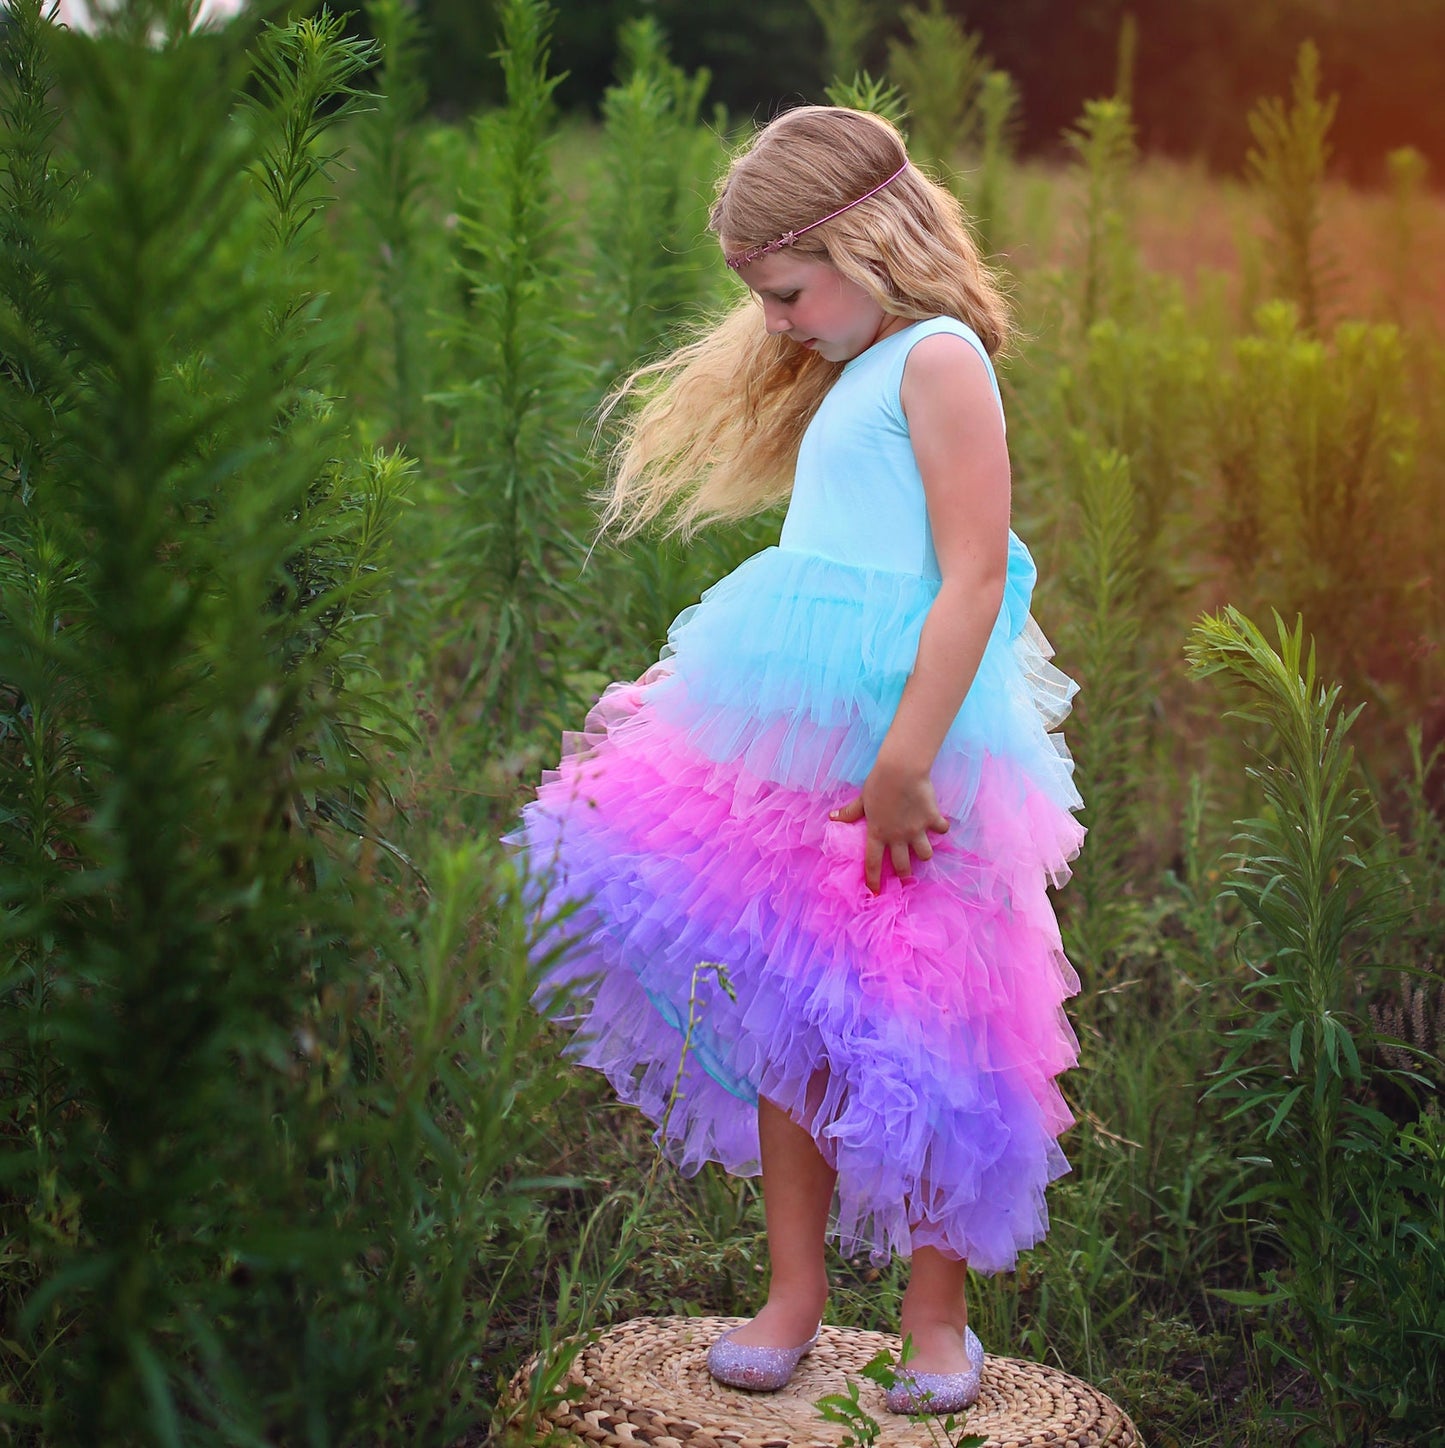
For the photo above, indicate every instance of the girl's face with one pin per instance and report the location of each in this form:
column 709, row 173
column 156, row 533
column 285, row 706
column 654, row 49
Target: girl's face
column 816, row 306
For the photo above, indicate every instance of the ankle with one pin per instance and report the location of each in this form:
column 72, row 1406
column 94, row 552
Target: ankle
column 935, row 1345
column 796, row 1304
column 795, row 1286
column 782, row 1321
column 932, row 1318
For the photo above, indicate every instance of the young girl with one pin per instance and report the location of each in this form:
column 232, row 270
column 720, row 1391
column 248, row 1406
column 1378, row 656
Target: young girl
column 838, row 782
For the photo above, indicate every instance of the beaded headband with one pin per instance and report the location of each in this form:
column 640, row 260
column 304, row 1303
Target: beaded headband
column 747, row 258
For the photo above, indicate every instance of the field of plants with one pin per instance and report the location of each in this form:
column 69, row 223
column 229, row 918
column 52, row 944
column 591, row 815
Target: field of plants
column 299, row 588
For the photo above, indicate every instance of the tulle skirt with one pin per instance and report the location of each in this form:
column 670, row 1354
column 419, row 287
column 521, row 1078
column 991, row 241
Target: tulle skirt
column 693, row 892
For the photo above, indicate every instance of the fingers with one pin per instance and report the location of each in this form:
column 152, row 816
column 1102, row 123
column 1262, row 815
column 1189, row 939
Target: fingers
column 851, row 813
column 873, row 864
column 900, row 853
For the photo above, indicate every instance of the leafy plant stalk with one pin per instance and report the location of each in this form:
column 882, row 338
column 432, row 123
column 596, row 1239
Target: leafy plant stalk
column 1318, row 894
column 1291, row 150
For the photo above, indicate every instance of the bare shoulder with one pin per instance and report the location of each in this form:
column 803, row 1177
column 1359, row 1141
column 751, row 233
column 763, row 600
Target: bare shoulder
column 946, row 369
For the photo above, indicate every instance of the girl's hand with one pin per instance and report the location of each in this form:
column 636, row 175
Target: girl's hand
column 901, row 810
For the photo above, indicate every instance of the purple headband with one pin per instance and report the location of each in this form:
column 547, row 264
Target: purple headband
column 747, row 258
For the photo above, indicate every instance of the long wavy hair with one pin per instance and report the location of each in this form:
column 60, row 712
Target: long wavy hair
column 711, row 431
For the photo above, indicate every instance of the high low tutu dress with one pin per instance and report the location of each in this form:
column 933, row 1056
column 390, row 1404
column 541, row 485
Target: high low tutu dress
column 918, row 1033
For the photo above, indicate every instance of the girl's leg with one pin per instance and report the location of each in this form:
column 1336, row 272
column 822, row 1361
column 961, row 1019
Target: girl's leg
column 797, row 1192
column 935, row 1312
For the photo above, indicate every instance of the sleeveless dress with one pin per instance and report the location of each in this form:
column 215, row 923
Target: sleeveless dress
column 916, row 1034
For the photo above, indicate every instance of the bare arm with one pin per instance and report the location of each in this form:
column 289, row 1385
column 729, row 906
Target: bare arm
column 958, row 441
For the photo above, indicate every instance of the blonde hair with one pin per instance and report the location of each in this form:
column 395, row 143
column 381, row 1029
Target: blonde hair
column 716, row 427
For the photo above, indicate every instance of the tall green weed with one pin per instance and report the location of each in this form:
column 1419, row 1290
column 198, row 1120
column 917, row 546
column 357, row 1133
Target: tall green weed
column 1408, row 277
column 1108, row 738
column 655, row 263
column 656, row 268
column 939, row 68
column 1138, row 389
column 391, row 187
column 1287, row 162
column 199, row 688
column 1126, row 58
column 1105, row 260
column 1320, row 893
column 998, row 128
column 869, row 93
column 515, row 391
column 848, row 30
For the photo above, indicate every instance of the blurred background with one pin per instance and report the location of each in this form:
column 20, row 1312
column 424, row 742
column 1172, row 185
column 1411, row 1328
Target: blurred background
column 1200, row 64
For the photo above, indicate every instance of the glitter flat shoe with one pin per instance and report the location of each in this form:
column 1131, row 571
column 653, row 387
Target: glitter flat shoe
column 938, row 1392
column 760, row 1369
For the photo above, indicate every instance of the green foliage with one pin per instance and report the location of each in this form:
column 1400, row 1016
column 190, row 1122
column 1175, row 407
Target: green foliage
column 1107, row 742
column 1406, row 274
column 303, row 77
column 175, row 674
column 516, row 383
column 848, row 29
column 655, row 262
column 1138, row 389
column 252, row 1158
column 391, row 183
column 657, row 266
column 861, row 1429
column 39, row 582
column 1288, row 160
column 1422, row 858
column 939, row 68
column 1315, row 448
column 998, row 124
column 1319, row 896
column 1394, row 1255
column 1135, row 390
column 864, row 93
column 1103, row 141
column 34, row 189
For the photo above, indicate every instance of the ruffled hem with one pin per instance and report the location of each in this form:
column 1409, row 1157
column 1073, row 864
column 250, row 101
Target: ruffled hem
column 911, row 1173
column 916, row 1033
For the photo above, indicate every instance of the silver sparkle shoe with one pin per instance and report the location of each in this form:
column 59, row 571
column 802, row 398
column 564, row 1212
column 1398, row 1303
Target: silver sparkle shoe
column 760, row 1369
column 939, row 1392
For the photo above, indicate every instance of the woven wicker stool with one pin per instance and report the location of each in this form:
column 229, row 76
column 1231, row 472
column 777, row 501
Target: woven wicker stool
column 646, row 1382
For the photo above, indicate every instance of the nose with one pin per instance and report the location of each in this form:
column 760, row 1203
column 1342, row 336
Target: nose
column 775, row 317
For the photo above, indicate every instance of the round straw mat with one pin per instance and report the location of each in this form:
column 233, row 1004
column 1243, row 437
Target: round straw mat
column 646, row 1382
